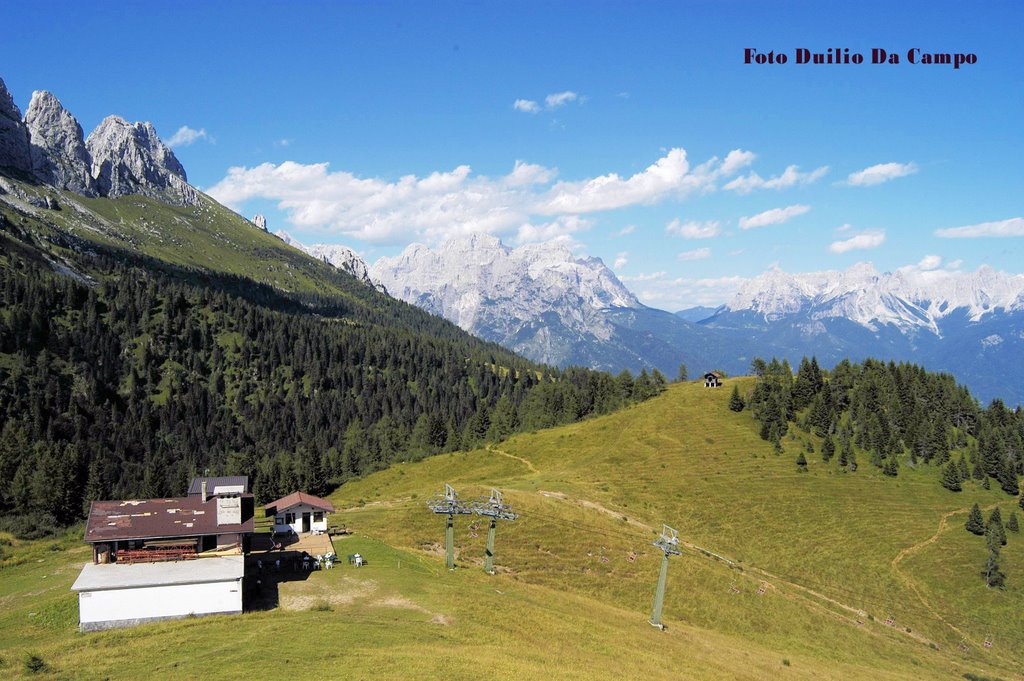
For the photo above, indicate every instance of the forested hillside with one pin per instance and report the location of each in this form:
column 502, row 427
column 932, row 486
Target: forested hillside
column 896, row 415
column 121, row 376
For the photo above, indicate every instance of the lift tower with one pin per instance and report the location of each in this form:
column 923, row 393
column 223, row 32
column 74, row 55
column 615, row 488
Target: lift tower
column 449, row 504
column 669, row 543
column 496, row 510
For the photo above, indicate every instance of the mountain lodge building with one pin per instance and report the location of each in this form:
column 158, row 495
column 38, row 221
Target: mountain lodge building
column 712, row 379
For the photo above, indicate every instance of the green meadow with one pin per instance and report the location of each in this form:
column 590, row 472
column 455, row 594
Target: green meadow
column 784, row 574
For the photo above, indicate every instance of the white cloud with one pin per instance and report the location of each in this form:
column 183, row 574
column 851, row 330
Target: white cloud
column 524, row 174
column 790, row 176
column 775, row 216
column 526, row 106
column 560, row 228
column 929, row 262
column 954, row 264
column 659, row 291
column 625, row 231
column 693, row 230
column 186, row 136
column 668, row 176
column 737, row 159
column 871, row 239
column 621, row 259
column 559, row 99
column 883, row 172
column 644, row 276
column 1011, row 227
column 283, row 142
column 528, row 202
column 695, row 254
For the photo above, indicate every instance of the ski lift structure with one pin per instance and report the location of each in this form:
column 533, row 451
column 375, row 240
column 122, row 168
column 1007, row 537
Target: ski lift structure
column 448, row 504
column 668, row 542
column 495, row 508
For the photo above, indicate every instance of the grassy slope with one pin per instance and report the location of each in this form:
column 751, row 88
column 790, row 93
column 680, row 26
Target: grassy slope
column 567, row 602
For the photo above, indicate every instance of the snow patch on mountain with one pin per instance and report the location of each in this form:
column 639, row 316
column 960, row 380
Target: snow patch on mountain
column 909, row 298
column 479, row 282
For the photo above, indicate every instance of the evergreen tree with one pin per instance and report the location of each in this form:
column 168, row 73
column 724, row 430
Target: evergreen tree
column 1007, row 477
column 951, row 477
column 975, row 521
column 683, row 374
column 828, row 449
column 965, row 473
column 1011, row 522
column 995, row 526
column 735, row 401
column 801, row 462
column 891, row 467
column 985, row 484
column 994, row 576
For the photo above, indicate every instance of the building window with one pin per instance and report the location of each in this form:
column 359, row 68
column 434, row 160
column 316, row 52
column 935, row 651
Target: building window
column 289, row 518
column 278, row 520
column 318, row 516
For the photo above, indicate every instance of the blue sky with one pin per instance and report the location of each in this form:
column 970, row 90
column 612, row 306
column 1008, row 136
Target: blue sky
column 632, row 131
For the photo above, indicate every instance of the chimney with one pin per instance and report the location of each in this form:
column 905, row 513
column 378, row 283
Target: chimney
column 204, row 490
column 229, row 510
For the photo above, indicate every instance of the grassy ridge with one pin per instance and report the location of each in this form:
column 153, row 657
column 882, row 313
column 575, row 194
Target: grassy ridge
column 568, row 602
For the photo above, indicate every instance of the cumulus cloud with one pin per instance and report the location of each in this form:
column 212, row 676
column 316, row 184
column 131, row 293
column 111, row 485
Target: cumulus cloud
column 695, row 254
column 692, row 229
column 877, row 174
column 929, row 262
column 775, row 216
column 659, row 290
column 528, row 202
column 790, row 176
column 186, row 136
column 870, row 239
column 555, row 230
column 627, row 230
column 1011, row 227
column 558, row 99
column 621, row 259
column 526, row 106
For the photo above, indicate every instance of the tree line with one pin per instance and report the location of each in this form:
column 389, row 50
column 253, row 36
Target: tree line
column 131, row 383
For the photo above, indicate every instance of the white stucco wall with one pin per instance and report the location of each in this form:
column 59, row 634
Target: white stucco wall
column 281, row 526
column 158, row 602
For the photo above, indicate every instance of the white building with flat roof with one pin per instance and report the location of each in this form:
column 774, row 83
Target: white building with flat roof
column 121, row 595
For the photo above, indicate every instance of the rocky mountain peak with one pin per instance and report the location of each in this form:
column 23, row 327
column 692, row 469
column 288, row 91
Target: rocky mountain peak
column 260, row 221
column 59, row 156
column 342, row 257
column 15, row 148
column 129, row 158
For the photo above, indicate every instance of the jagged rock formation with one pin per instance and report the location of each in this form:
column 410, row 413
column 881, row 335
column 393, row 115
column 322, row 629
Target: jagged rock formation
column 260, row 221
column 129, row 158
column 117, row 159
column 15, row 148
column 342, row 257
column 59, row 156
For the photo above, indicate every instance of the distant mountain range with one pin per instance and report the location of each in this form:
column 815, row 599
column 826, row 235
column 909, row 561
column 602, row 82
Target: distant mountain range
column 550, row 306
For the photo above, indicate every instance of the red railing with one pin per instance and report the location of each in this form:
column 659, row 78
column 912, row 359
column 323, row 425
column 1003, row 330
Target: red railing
column 164, row 553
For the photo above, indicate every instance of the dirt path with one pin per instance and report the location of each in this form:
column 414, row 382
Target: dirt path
column 858, row 617
column 910, row 582
column 520, row 459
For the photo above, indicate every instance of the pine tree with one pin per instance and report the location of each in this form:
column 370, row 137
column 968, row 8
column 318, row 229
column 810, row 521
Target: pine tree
column 951, row 477
column 828, row 449
column 891, row 467
column 994, row 577
column 975, row 521
column 683, row 374
column 995, row 526
column 985, row 484
column 735, row 401
column 965, row 473
column 1011, row 522
column 801, row 462
column 1007, row 477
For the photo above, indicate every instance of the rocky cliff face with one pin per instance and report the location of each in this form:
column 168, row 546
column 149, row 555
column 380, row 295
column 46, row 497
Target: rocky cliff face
column 129, row 158
column 15, row 150
column 342, row 257
column 117, row 159
column 59, row 156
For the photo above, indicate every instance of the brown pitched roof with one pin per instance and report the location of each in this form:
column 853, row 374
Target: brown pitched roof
column 296, row 498
column 161, row 518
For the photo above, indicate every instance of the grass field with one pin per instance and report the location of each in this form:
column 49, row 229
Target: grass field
column 836, row 553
